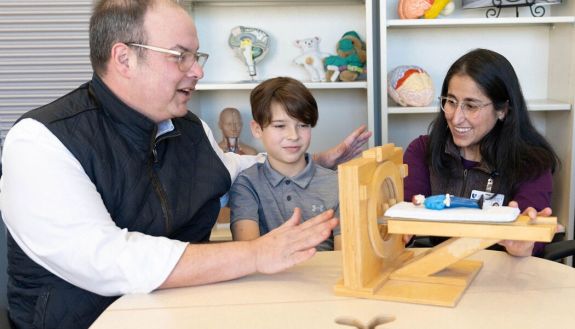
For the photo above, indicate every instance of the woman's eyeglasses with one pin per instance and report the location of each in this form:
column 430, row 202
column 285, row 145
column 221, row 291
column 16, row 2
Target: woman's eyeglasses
column 470, row 109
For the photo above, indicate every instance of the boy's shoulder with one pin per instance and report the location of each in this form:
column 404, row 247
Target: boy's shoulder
column 251, row 178
column 325, row 177
column 252, row 172
column 321, row 171
column 257, row 172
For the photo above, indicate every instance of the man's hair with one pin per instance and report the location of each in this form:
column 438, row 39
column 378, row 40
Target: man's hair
column 291, row 94
column 116, row 21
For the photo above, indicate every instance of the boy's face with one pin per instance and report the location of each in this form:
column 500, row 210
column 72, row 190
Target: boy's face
column 286, row 141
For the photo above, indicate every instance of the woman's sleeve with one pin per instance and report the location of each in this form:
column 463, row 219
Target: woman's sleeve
column 535, row 193
column 417, row 180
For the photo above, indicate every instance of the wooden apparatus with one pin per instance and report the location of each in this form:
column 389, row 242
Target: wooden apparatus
column 375, row 263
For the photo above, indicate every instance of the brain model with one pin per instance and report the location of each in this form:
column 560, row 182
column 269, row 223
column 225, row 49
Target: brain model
column 410, row 9
column 410, row 86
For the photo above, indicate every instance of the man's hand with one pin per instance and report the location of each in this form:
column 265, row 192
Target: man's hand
column 348, row 149
column 523, row 248
column 292, row 243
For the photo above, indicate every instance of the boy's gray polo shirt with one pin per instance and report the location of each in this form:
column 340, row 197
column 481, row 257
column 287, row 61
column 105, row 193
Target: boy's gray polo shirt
column 262, row 194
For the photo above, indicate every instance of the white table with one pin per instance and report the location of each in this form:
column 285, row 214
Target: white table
column 507, row 293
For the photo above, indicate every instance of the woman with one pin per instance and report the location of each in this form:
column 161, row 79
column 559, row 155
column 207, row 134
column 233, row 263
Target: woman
column 482, row 140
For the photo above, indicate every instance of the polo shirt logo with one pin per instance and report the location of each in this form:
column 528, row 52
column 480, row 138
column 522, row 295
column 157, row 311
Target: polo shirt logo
column 317, row 208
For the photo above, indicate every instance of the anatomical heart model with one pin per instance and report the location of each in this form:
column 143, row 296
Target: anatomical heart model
column 250, row 45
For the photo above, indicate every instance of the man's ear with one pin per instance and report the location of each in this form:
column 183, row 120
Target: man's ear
column 256, row 129
column 122, row 60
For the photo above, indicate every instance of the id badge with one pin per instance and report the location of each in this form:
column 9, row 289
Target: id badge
column 489, row 199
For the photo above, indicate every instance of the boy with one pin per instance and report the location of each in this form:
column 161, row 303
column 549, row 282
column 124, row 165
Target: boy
column 284, row 111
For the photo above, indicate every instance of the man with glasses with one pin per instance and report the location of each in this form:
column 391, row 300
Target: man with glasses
column 185, row 59
column 106, row 189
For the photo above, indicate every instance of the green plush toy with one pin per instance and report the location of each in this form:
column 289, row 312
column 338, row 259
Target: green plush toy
column 350, row 60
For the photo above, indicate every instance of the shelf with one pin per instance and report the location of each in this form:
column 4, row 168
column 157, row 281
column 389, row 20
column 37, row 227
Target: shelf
column 342, row 105
column 251, row 85
column 239, row 3
column 457, row 22
column 535, row 105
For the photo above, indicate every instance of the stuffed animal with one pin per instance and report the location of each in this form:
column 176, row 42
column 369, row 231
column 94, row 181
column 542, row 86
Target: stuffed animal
column 350, row 60
column 410, row 86
column 444, row 7
column 413, row 9
column 311, row 58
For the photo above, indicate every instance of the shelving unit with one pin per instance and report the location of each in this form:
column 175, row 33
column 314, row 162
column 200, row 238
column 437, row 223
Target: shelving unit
column 343, row 105
column 462, row 21
column 310, row 85
column 540, row 49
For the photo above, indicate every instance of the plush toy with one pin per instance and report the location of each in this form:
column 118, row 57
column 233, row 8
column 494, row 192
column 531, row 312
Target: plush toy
column 410, row 86
column 413, row 9
column 444, row 7
column 311, row 58
column 350, row 60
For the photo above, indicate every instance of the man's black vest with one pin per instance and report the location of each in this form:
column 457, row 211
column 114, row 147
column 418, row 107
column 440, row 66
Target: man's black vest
column 167, row 186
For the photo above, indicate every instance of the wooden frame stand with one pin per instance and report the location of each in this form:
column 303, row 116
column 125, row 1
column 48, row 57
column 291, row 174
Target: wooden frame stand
column 375, row 262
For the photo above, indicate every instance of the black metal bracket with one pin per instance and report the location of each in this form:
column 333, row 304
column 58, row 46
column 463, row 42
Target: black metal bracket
column 536, row 10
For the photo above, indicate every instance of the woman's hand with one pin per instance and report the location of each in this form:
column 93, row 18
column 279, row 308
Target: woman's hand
column 406, row 238
column 523, row 248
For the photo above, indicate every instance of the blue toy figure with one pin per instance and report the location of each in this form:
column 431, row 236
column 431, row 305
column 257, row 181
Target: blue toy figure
column 442, row 201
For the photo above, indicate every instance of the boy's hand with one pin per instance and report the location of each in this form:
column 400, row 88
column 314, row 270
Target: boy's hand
column 348, row 149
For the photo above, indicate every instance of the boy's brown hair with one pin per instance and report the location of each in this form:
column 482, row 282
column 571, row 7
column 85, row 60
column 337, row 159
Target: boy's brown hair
column 290, row 93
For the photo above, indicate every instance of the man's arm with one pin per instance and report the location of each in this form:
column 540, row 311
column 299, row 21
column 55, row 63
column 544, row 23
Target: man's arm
column 235, row 163
column 245, row 230
column 282, row 248
column 56, row 215
column 348, row 149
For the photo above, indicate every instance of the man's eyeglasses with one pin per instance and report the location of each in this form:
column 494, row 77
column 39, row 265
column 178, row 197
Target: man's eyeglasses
column 185, row 59
column 470, row 108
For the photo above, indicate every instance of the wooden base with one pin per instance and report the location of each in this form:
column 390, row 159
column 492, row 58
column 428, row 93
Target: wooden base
column 442, row 289
column 375, row 263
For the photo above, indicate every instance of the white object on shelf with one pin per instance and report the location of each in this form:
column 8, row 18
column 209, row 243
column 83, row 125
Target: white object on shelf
column 343, row 106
